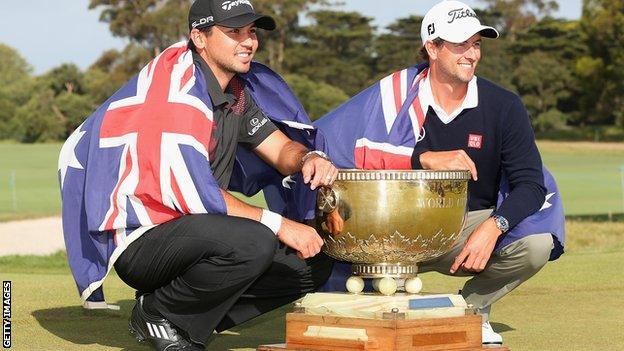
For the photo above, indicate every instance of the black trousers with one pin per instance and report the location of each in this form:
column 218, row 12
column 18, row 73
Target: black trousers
column 211, row 272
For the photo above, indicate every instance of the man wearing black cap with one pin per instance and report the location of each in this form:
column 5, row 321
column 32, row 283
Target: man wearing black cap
column 198, row 273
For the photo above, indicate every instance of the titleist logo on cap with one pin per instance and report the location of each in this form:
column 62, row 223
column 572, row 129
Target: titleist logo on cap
column 460, row 13
column 202, row 21
column 227, row 5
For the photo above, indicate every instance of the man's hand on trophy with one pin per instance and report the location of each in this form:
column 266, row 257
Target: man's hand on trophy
column 300, row 237
column 478, row 248
column 448, row 161
column 318, row 170
column 334, row 222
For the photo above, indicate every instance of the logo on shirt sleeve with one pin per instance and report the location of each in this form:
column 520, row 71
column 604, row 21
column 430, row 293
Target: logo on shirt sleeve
column 475, row 141
column 256, row 124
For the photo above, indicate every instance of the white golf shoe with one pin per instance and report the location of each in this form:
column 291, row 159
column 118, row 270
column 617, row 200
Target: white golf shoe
column 489, row 336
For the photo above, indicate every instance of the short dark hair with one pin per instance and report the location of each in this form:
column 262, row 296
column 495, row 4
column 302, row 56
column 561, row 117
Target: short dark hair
column 205, row 30
column 423, row 50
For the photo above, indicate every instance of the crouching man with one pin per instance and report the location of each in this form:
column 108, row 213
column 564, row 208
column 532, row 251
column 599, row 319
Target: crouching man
column 144, row 184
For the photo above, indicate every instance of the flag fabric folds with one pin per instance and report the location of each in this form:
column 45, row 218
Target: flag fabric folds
column 379, row 127
column 142, row 159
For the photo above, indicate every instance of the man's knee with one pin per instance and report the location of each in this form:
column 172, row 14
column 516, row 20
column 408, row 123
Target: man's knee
column 321, row 269
column 535, row 250
column 264, row 244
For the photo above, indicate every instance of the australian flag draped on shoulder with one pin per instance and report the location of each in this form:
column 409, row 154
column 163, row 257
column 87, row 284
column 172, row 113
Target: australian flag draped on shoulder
column 379, row 127
column 142, row 158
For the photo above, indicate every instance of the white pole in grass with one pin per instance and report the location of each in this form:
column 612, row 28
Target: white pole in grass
column 13, row 187
column 622, row 177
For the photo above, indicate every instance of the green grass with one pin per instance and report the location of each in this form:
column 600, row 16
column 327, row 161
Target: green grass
column 36, row 185
column 588, row 175
column 34, row 170
column 574, row 303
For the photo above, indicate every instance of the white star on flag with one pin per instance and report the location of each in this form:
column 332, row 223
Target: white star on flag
column 67, row 157
column 287, row 181
column 546, row 203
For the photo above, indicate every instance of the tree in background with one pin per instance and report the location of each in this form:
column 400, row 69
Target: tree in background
column 152, row 24
column 513, row 16
column 542, row 80
column 602, row 76
column 65, row 78
column 36, row 120
column 544, row 75
column 317, row 98
column 109, row 72
column 71, row 103
column 496, row 62
column 15, row 78
column 567, row 72
column 399, row 47
column 335, row 49
column 14, row 67
column 57, row 104
column 286, row 14
column 149, row 25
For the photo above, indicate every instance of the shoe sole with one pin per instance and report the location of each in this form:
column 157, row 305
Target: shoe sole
column 137, row 333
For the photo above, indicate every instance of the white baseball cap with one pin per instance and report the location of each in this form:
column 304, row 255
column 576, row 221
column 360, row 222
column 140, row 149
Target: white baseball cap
column 454, row 22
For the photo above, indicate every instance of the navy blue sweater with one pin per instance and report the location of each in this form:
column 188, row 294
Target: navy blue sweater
column 498, row 137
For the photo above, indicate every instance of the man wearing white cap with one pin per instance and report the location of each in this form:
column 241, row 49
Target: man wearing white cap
column 475, row 125
column 438, row 115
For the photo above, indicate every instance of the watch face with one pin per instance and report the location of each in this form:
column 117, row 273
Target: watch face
column 501, row 223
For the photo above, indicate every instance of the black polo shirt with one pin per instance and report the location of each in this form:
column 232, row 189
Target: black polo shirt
column 236, row 120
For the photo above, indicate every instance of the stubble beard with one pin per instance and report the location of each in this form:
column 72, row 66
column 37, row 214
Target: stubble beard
column 233, row 67
column 455, row 75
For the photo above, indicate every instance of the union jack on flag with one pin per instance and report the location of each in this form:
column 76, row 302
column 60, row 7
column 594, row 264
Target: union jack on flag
column 379, row 127
column 142, row 158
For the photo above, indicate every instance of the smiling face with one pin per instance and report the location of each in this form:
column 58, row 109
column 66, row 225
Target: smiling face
column 456, row 62
column 227, row 50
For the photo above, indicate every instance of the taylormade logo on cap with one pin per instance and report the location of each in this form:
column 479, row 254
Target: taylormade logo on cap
column 453, row 21
column 227, row 5
column 227, row 13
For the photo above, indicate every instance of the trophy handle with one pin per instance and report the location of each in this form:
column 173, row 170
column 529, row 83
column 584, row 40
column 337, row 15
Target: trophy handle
column 327, row 199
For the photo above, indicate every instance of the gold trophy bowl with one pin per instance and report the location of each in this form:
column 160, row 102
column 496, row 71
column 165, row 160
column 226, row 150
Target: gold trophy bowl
column 390, row 220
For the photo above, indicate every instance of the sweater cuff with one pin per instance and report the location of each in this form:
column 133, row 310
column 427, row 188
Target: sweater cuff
column 515, row 209
column 416, row 158
column 508, row 215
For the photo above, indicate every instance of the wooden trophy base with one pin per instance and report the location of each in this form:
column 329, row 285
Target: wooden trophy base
column 282, row 347
column 307, row 332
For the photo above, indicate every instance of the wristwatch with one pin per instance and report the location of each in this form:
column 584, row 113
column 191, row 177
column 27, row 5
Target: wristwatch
column 318, row 153
column 501, row 223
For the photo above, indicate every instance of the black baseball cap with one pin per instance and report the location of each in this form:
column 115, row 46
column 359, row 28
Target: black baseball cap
column 227, row 13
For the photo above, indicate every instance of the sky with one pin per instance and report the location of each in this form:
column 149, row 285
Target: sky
column 48, row 33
